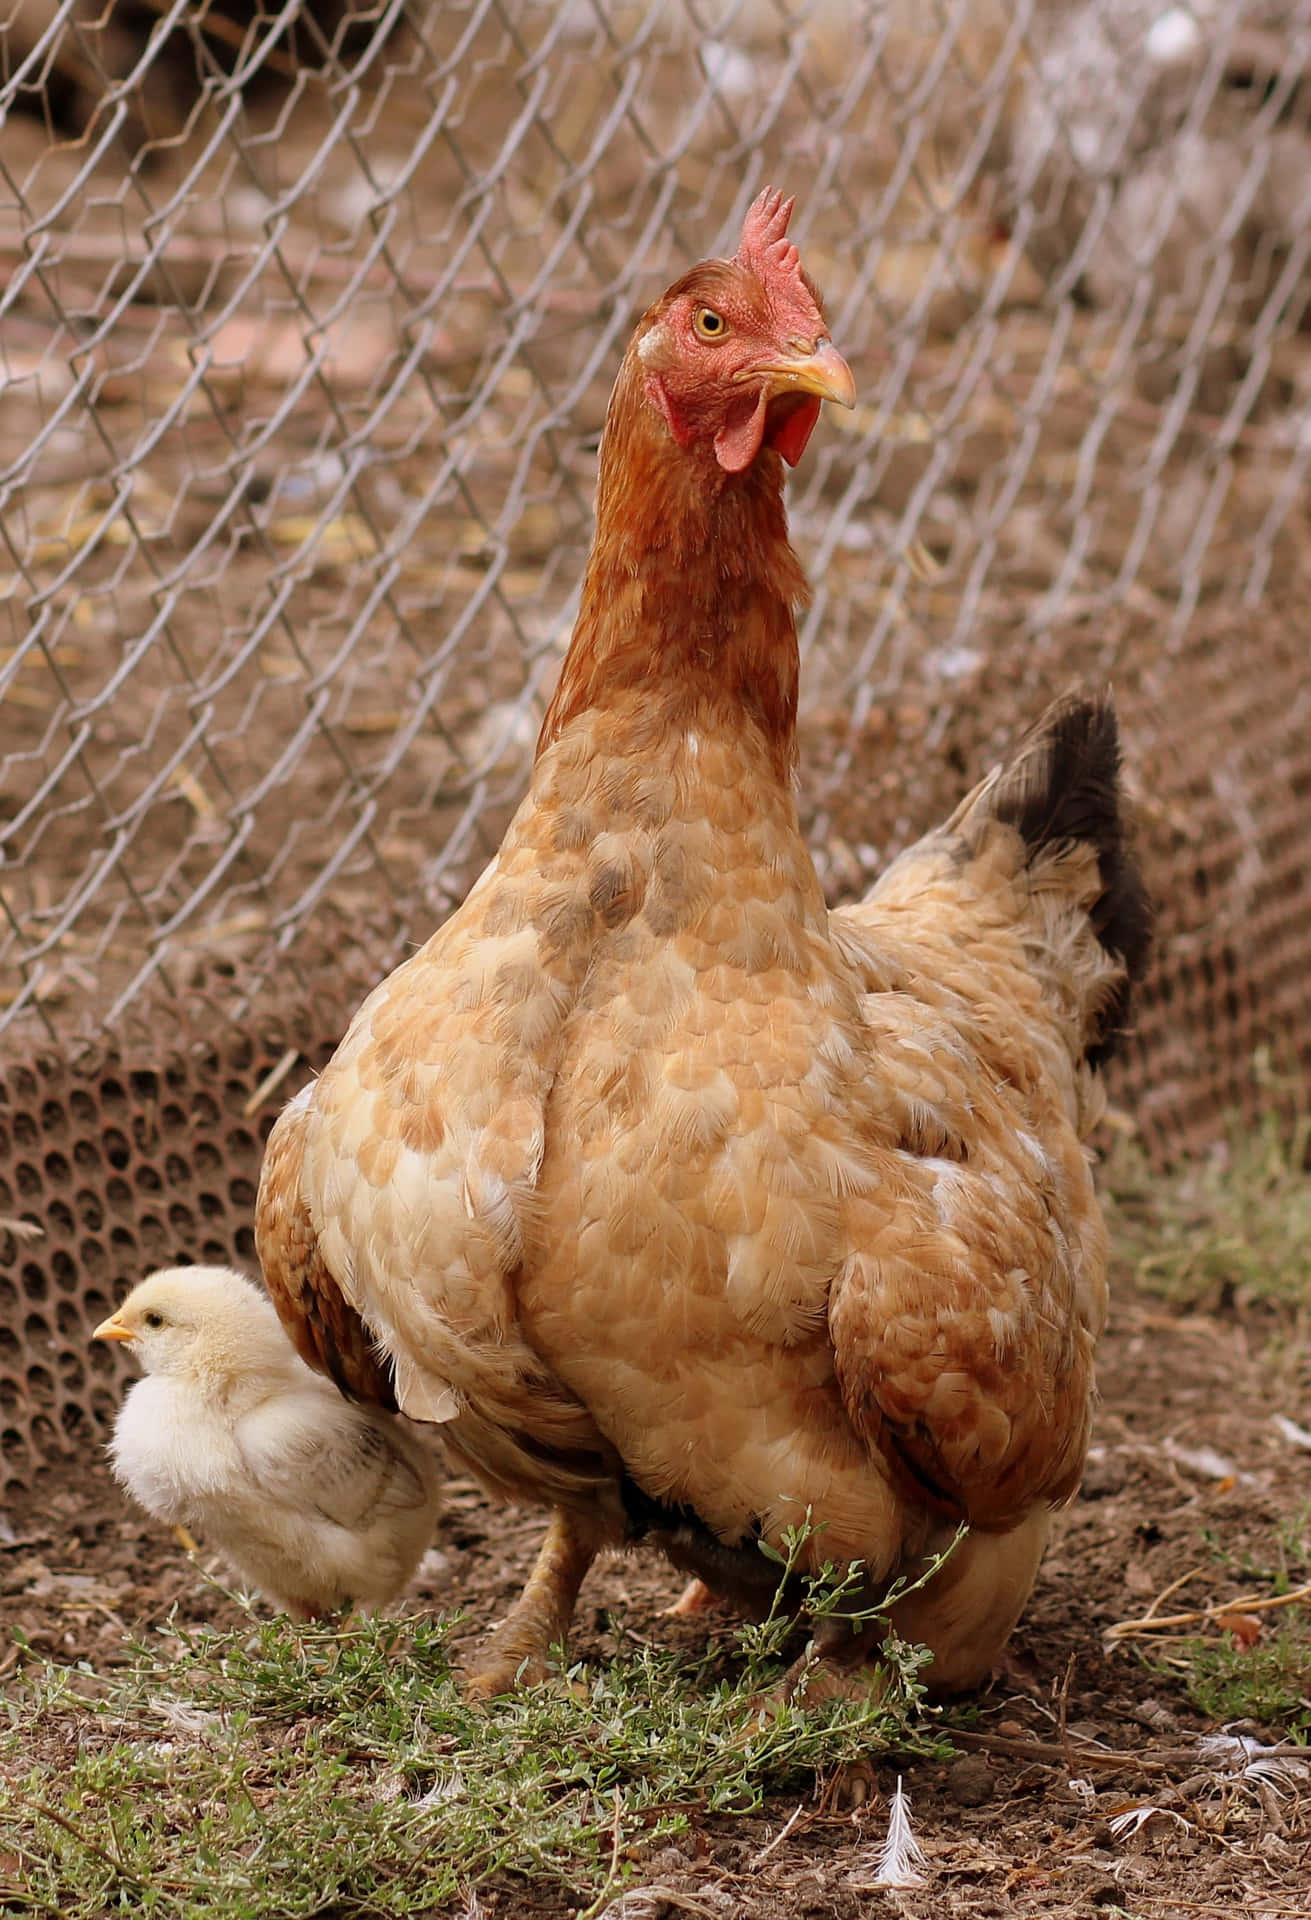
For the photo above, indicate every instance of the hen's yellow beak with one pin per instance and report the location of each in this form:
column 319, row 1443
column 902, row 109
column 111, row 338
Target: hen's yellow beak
column 820, row 370
column 113, row 1329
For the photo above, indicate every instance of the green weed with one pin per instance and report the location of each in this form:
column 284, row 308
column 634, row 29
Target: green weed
column 279, row 1772
column 1269, row 1682
column 1230, row 1231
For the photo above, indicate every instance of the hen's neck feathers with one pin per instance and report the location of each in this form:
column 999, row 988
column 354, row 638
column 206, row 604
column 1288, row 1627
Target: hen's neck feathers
column 690, row 588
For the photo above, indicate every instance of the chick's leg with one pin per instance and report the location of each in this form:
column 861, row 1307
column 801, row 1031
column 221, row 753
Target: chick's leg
column 517, row 1652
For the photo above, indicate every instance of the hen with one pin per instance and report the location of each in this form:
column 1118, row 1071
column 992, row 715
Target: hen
column 319, row 1504
column 685, row 1205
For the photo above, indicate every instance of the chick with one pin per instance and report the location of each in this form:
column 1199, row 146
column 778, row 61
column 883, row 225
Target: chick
column 318, row 1503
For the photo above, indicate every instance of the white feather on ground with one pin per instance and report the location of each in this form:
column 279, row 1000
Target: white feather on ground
column 898, row 1858
column 318, row 1503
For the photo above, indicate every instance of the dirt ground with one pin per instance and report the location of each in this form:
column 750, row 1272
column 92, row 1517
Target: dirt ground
column 1190, row 1474
column 1191, row 1479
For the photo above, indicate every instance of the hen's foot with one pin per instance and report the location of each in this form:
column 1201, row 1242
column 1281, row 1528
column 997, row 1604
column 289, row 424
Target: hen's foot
column 696, row 1597
column 518, row 1652
column 819, row 1676
column 813, row 1680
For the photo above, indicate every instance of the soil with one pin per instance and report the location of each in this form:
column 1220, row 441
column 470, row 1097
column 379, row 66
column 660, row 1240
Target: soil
column 1190, row 1474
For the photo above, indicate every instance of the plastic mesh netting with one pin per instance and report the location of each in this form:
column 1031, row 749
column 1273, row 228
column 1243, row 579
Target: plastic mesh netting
column 308, row 322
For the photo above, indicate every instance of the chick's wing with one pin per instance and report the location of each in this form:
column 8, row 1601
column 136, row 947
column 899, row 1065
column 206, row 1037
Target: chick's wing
column 318, row 1453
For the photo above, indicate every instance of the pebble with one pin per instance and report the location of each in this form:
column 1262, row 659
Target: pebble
column 1103, row 1476
column 969, row 1781
column 1153, row 1714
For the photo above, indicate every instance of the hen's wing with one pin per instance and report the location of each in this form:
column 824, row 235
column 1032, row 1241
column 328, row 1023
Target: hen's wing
column 325, row 1329
column 399, row 1190
column 964, row 1325
column 996, row 957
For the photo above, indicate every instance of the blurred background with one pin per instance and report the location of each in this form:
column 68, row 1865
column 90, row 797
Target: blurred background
column 308, row 322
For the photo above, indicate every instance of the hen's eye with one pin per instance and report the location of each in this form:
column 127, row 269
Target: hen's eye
column 709, row 324
column 153, row 1319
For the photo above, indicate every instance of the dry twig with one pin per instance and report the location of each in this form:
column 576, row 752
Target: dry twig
column 1153, row 1622
column 271, row 1082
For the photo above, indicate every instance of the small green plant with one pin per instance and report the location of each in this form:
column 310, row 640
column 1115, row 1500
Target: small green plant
column 1269, row 1682
column 1277, row 1560
column 287, row 1771
column 1230, row 1231
column 1258, row 1666
column 836, row 1592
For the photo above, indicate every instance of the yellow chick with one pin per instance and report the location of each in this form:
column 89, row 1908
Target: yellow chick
column 317, row 1502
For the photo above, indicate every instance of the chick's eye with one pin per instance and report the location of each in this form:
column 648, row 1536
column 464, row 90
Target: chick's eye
column 153, row 1319
column 709, row 324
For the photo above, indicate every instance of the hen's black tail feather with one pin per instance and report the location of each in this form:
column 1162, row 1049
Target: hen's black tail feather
column 1062, row 784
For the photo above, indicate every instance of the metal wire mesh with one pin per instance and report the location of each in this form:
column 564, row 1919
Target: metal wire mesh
column 309, row 318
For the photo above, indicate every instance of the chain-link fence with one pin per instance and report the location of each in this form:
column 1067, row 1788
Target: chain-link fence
column 308, row 323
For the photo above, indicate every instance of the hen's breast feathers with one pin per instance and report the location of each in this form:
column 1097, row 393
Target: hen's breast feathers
column 401, row 1191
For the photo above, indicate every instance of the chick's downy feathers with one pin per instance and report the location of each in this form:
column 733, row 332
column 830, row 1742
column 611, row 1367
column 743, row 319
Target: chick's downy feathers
column 318, row 1503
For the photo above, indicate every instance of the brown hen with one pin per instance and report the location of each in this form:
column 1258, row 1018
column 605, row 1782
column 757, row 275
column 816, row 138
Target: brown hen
column 686, row 1206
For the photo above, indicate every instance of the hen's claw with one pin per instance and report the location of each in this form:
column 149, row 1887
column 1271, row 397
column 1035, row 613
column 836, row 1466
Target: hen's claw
column 810, row 1681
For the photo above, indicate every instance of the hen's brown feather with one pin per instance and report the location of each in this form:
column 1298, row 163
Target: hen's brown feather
column 327, row 1333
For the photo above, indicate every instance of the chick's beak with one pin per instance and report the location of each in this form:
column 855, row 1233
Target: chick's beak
column 820, row 370
column 112, row 1329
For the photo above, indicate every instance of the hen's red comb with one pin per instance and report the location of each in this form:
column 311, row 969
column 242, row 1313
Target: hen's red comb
column 764, row 246
column 766, row 251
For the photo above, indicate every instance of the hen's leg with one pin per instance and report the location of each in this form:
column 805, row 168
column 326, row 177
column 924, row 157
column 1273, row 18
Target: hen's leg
column 539, row 1618
column 838, row 1665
